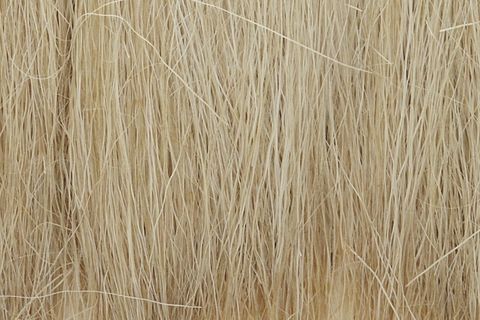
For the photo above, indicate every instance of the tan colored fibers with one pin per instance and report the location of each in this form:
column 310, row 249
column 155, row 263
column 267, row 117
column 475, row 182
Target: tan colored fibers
column 221, row 159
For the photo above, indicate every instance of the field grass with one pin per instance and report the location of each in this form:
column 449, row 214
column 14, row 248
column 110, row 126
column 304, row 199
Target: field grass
column 221, row 159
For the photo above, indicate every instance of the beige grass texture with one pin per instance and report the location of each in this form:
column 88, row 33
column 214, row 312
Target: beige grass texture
column 239, row 159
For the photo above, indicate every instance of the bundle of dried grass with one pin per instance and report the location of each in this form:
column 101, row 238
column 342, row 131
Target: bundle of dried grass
column 221, row 159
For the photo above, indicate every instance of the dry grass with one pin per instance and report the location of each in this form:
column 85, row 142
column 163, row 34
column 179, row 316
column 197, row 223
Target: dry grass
column 220, row 159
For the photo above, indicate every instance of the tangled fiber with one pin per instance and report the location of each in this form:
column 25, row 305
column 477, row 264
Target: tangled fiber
column 224, row 159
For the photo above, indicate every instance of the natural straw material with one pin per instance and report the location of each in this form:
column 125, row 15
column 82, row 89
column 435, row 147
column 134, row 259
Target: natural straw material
column 239, row 159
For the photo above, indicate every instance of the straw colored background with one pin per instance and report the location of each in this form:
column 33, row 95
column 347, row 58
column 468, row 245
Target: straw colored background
column 221, row 159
